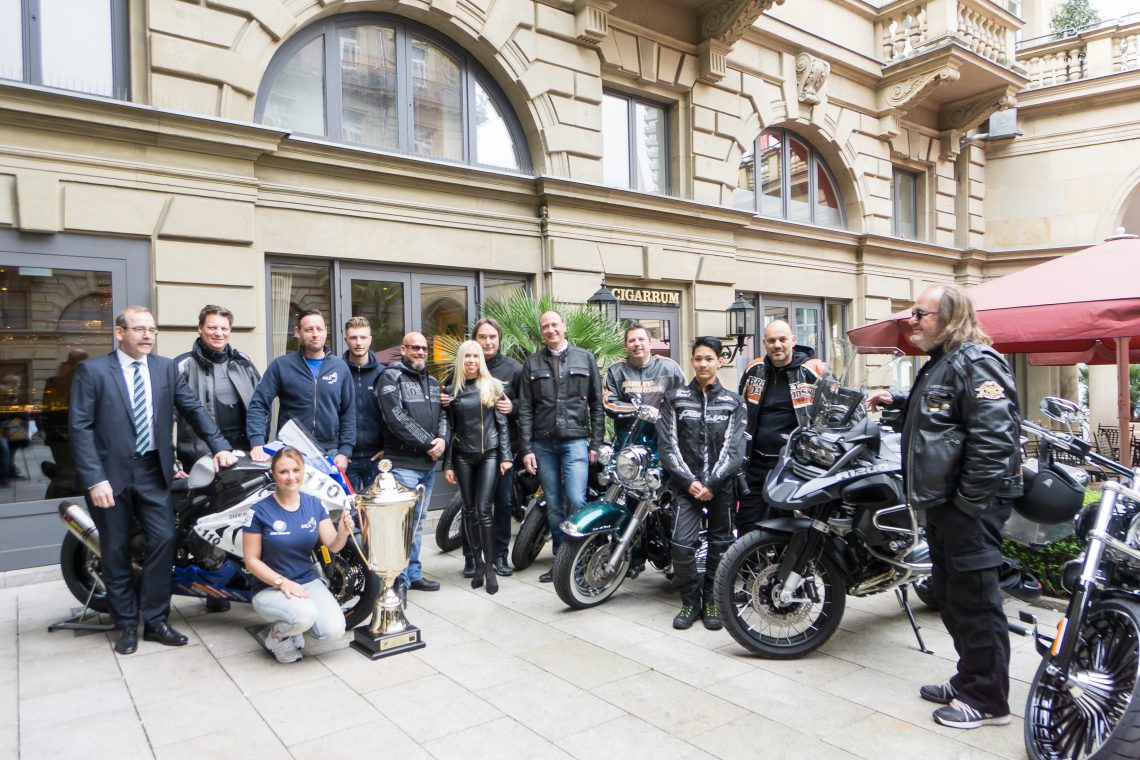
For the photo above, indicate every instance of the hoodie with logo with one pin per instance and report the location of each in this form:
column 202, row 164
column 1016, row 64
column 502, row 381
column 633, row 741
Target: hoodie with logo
column 324, row 405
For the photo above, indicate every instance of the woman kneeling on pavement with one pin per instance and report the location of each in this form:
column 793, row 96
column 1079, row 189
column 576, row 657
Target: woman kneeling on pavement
column 700, row 439
column 478, row 453
column 284, row 529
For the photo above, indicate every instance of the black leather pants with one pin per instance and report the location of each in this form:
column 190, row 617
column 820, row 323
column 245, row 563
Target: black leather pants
column 478, row 474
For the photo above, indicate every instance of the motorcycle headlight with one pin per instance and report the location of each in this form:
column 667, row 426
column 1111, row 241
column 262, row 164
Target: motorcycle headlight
column 631, row 464
column 605, row 454
column 821, row 456
column 653, row 478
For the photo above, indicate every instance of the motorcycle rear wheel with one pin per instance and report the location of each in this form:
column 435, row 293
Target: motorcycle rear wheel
column 1102, row 722
column 449, row 528
column 533, row 535
column 746, row 594
column 354, row 585
column 579, row 570
column 80, row 567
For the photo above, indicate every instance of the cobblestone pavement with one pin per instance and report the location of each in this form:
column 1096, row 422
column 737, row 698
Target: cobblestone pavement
column 515, row 673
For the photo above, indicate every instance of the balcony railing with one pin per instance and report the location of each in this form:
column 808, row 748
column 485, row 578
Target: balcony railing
column 907, row 27
column 1108, row 47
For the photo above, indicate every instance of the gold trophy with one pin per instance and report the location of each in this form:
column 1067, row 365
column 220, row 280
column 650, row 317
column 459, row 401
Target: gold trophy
column 387, row 515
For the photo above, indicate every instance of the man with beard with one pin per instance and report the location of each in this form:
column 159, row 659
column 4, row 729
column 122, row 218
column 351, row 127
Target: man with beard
column 778, row 390
column 313, row 388
column 961, row 466
column 640, row 379
column 223, row 379
column 415, row 438
column 508, row 371
column 121, row 428
column 365, row 372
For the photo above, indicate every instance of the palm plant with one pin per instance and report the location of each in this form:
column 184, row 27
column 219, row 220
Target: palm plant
column 518, row 314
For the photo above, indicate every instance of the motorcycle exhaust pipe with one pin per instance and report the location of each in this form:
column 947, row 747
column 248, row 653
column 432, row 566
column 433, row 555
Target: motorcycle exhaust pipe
column 81, row 525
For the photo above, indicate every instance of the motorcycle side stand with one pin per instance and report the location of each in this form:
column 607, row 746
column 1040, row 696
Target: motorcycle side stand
column 904, row 602
column 78, row 621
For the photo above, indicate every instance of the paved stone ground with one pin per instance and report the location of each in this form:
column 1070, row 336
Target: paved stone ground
column 513, row 675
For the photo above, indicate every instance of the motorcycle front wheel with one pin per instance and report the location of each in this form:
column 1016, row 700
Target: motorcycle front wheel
column 449, row 528
column 580, row 576
column 1095, row 714
column 747, row 593
column 353, row 584
column 533, row 535
column 80, row 568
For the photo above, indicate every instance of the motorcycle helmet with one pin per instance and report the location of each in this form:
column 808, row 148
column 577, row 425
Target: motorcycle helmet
column 1053, row 493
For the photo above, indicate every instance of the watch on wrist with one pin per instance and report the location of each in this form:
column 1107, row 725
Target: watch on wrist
column 278, row 581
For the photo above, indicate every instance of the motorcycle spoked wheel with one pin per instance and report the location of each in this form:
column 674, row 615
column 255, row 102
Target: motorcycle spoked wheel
column 747, row 594
column 449, row 527
column 532, row 536
column 80, row 568
column 579, row 571
column 353, row 584
column 1102, row 720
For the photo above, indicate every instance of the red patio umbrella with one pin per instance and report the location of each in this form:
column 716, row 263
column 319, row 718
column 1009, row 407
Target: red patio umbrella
column 1079, row 305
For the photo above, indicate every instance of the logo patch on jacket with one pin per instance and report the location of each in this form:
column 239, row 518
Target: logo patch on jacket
column 990, row 390
column 331, row 378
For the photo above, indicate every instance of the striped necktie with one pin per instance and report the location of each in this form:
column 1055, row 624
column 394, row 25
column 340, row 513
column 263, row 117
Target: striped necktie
column 139, row 413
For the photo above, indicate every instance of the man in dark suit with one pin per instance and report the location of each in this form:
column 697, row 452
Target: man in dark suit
column 121, row 421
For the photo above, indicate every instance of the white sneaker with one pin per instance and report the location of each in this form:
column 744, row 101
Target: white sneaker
column 282, row 647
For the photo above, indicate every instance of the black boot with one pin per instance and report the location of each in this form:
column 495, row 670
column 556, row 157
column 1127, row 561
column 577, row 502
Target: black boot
column 489, row 568
column 471, row 527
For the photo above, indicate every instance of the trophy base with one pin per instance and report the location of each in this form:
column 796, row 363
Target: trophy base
column 386, row 644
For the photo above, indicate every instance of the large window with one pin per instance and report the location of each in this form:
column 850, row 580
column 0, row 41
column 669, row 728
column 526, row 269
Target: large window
column 635, row 145
column 381, row 83
column 783, row 176
column 70, row 44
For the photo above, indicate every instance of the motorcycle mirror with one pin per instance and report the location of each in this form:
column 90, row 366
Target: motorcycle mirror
column 1060, row 409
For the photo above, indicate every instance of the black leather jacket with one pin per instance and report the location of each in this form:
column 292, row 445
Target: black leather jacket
column 410, row 407
column 627, row 387
column 961, row 431
column 196, row 365
column 701, row 436
column 475, row 429
column 568, row 405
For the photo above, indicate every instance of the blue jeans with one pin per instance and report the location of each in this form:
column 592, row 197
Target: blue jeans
column 564, row 471
column 319, row 614
column 361, row 472
column 409, row 478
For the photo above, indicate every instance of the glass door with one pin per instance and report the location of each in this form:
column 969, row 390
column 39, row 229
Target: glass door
column 662, row 325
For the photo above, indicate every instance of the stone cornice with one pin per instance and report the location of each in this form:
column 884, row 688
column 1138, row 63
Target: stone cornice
column 1116, row 87
column 44, row 108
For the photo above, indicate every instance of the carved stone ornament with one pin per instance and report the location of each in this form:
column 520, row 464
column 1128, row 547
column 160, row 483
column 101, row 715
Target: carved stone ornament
column 728, row 20
column 964, row 116
column 592, row 20
column 913, row 90
column 811, row 75
column 713, row 56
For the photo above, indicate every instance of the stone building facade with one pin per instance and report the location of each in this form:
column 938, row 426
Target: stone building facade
column 411, row 159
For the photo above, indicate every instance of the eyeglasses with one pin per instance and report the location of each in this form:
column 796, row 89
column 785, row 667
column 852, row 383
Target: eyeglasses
column 415, row 348
column 920, row 313
column 138, row 330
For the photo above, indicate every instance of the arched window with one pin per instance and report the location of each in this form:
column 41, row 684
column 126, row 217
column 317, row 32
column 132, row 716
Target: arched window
column 379, row 82
column 783, row 176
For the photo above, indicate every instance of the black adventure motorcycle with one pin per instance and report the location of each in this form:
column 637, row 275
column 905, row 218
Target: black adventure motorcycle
column 209, row 512
column 1084, row 700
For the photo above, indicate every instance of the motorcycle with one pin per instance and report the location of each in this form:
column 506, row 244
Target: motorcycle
column 529, row 509
column 782, row 589
column 1084, row 699
column 606, row 536
column 209, row 512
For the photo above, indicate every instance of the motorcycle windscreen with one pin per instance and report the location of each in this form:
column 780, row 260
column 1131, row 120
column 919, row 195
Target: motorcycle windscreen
column 852, row 373
column 295, row 435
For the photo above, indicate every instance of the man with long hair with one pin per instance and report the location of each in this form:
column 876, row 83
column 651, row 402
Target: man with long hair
column 961, row 464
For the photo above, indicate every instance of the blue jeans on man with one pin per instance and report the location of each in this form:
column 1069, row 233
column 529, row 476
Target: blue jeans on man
column 361, row 472
column 410, row 478
column 564, row 471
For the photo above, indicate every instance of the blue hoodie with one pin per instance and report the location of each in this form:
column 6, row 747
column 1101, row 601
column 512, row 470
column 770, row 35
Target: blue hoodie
column 324, row 406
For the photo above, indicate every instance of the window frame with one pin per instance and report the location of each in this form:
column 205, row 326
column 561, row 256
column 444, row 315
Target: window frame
column 631, row 103
column 471, row 72
column 815, row 163
column 896, row 226
column 32, row 52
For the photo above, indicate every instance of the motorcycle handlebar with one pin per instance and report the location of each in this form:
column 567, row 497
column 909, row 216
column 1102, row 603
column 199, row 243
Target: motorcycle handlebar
column 1076, row 446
